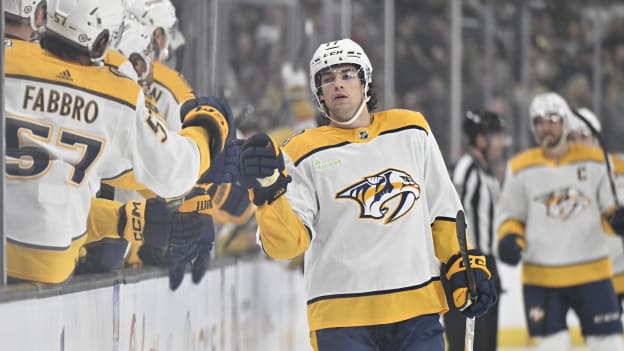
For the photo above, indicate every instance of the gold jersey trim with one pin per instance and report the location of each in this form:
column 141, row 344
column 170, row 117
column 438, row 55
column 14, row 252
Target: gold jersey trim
column 534, row 157
column 570, row 275
column 172, row 81
column 311, row 141
column 377, row 307
column 49, row 265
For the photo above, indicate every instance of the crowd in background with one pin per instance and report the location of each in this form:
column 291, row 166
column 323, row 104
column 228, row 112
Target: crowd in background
column 561, row 57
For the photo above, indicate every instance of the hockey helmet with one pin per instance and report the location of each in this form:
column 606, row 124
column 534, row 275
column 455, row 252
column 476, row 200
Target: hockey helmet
column 335, row 53
column 481, row 122
column 547, row 104
column 23, row 10
column 85, row 23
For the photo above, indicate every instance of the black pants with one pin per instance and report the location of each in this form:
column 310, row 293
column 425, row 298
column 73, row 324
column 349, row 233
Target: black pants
column 486, row 326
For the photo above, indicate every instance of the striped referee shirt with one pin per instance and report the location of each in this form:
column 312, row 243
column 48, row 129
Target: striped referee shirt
column 479, row 190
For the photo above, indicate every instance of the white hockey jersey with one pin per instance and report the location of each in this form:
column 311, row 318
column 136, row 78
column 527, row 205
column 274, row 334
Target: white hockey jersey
column 375, row 208
column 68, row 126
column 559, row 208
column 169, row 90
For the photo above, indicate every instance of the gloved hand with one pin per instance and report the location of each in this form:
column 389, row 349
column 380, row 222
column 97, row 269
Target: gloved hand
column 471, row 306
column 616, row 220
column 510, row 248
column 262, row 169
column 170, row 238
column 212, row 114
column 224, row 168
column 191, row 241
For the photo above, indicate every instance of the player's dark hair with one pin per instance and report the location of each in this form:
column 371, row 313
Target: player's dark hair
column 67, row 50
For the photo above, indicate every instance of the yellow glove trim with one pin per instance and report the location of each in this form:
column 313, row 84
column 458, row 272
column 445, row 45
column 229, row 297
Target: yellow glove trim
column 476, row 262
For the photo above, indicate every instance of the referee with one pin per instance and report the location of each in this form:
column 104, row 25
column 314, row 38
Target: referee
column 479, row 189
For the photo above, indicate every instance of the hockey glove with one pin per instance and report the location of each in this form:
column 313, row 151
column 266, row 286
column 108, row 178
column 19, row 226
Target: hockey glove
column 471, row 306
column 224, row 167
column 262, row 169
column 170, row 238
column 232, row 203
column 212, row 114
column 510, row 248
column 191, row 240
column 616, row 220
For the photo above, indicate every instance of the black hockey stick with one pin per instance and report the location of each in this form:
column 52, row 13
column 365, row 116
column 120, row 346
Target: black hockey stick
column 460, row 229
column 598, row 137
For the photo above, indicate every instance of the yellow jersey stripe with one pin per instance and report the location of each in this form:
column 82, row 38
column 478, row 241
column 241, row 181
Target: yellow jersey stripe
column 53, row 265
column 564, row 276
column 377, row 307
column 127, row 102
column 534, row 157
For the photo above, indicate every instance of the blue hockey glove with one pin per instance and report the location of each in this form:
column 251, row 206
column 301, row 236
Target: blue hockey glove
column 212, row 114
column 510, row 248
column 458, row 284
column 616, row 220
column 191, row 241
column 236, row 202
column 262, row 169
column 172, row 236
column 224, row 168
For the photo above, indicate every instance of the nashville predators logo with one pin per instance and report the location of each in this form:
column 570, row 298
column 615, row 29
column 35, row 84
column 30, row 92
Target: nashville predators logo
column 563, row 202
column 374, row 194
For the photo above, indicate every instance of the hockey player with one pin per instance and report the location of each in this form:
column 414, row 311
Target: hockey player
column 23, row 18
column 479, row 189
column 71, row 123
column 581, row 133
column 371, row 204
column 549, row 214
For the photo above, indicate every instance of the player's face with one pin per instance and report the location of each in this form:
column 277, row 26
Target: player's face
column 40, row 14
column 581, row 137
column 548, row 129
column 160, row 41
column 342, row 91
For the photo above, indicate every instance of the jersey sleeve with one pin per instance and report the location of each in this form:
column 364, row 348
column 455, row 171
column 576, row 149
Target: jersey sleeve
column 512, row 208
column 284, row 227
column 166, row 163
column 442, row 200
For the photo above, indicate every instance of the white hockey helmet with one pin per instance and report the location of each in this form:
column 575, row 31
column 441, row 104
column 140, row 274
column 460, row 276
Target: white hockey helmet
column 590, row 117
column 340, row 52
column 89, row 25
column 23, row 10
column 156, row 15
column 136, row 40
column 547, row 104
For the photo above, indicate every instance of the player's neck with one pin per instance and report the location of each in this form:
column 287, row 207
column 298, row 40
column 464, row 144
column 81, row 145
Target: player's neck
column 557, row 152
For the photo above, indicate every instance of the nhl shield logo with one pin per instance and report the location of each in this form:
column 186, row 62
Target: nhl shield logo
column 377, row 193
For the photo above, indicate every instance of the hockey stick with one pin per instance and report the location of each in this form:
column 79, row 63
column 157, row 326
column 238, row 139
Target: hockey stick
column 460, row 229
column 598, row 137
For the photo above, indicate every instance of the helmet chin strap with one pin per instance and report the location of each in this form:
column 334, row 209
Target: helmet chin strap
column 352, row 119
column 356, row 114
